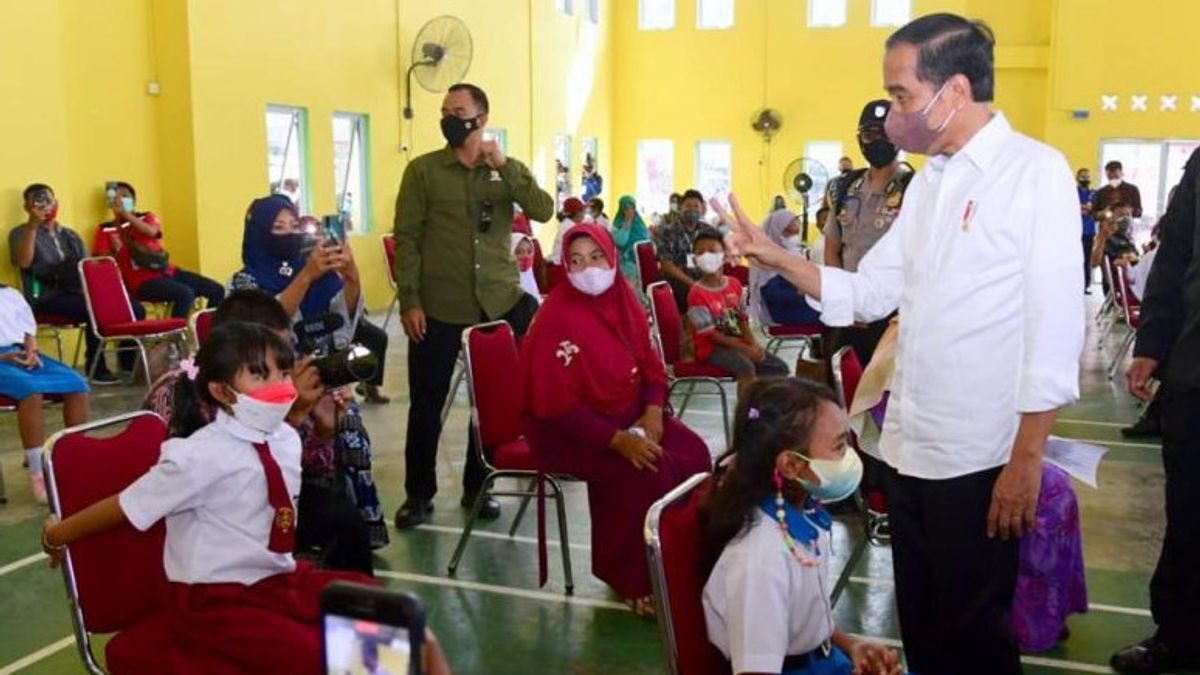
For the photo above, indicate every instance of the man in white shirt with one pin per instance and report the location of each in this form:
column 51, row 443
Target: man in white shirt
column 982, row 263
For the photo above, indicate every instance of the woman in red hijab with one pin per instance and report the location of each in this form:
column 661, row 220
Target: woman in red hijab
column 595, row 391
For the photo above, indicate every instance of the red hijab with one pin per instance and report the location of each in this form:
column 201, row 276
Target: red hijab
column 590, row 351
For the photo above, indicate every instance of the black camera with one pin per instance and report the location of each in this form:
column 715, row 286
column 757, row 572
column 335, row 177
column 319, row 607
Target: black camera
column 337, row 367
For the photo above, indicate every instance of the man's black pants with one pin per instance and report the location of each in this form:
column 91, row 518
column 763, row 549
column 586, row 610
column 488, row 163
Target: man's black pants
column 1175, row 587
column 430, row 367
column 954, row 586
column 1088, row 240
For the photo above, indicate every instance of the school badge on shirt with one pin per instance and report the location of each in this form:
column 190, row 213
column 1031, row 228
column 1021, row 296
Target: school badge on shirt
column 567, row 351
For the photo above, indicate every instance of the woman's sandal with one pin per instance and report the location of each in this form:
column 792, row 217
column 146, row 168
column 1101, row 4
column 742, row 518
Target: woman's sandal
column 642, row 608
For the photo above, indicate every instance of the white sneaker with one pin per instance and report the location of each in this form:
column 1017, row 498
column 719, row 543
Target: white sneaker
column 37, row 485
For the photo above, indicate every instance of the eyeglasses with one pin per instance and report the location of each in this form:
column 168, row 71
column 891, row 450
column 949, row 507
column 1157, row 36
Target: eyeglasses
column 485, row 216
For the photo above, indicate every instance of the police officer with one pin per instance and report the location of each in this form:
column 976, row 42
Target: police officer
column 862, row 205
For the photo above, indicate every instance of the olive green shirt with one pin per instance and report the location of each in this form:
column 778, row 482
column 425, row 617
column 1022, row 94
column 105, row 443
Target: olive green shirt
column 445, row 264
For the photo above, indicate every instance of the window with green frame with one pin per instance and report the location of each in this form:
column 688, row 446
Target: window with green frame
column 287, row 154
column 350, row 170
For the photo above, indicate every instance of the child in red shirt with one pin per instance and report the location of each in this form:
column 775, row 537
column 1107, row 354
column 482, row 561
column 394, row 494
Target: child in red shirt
column 717, row 319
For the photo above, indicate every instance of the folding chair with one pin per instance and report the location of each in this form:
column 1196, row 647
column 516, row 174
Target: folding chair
column 51, row 327
column 805, row 334
column 115, row 580
column 647, row 260
column 668, row 329
column 112, row 316
column 847, row 373
column 1131, row 308
column 739, row 272
column 1108, row 306
column 678, row 572
column 491, row 360
column 200, row 324
column 388, row 241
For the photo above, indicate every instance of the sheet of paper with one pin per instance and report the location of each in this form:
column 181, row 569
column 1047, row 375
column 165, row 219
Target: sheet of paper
column 1081, row 460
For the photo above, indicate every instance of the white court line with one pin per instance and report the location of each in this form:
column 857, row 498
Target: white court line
column 1122, row 444
column 558, row 598
column 1132, row 611
column 43, row 653
column 23, row 562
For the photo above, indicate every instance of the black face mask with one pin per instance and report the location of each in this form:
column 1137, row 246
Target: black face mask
column 456, row 129
column 1084, row 182
column 285, row 246
column 879, row 152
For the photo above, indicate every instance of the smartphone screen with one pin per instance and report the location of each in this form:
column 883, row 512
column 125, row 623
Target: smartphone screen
column 367, row 630
column 334, row 230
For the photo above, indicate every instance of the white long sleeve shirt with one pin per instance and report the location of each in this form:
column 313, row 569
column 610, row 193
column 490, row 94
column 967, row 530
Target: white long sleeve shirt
column 982, row 262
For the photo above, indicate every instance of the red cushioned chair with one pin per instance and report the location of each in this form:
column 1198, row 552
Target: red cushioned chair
column 739, row 272
column 388, row 241
column 668, row 330
column 805, row 334
column 115, row 579
column 847, row 373
column 678, row 572
column 491, row 361
column 1130, row 307
column 555, row 275
column 647, row 260
column 51, row 327
column 200, row 324
column 112, row 316
column 1110, row 309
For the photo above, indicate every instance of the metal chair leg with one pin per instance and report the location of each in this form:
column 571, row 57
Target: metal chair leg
column 1119, row 357
column 563, row 542
column 466, row 534
column 145, row 364
column 459, row 373
column 391, row 309
column 3, row 487
column 856, row 555
column 521, row 511
column 687, row 397
column 82, row 338
column 725, row 423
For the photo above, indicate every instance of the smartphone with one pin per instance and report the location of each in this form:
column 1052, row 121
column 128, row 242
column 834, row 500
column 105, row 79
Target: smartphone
column 334, row 229
column 368, row 630
column 110, row 190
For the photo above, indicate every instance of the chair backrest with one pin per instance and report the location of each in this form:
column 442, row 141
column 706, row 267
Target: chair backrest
column 647, row 260
column 388, row 241
column 678, row 572
column 492, row 368
column 107, row 301
column 555, row 275
column 847, row 372
column 202, row 324
column 739, row 272
column 114, row 578
column 667, row 322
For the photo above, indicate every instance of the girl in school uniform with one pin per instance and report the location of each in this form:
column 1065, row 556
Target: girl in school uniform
column 26, row 377
column 240, row 602
column 766, row 602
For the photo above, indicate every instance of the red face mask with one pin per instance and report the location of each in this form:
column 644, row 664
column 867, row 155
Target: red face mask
column 52, row 212
column 277, row 392
column 525, row 263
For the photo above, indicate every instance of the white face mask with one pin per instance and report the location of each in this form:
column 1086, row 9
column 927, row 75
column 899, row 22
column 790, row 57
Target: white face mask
column 593, row 281
column 260, row 415
column 792, row 243
column 1115, row 183
column 710, row 263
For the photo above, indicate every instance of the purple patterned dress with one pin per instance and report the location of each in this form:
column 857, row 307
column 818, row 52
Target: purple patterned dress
column 1051, row 583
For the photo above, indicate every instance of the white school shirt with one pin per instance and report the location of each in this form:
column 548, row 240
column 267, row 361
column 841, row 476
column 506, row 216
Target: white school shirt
column 212, row 490
column 982, row 263
column 16, row 318
column 761, row 605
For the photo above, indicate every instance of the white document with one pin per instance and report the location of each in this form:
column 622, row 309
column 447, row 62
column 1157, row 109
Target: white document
column 1081, row 460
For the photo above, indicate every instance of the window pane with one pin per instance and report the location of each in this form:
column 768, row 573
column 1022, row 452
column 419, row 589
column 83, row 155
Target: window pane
column 825, row 155
column 564, row 6
column 826, row 13
column 562, row 168
column 1178, row 153
column 1142, row 162
column 714, row 13
column 655, row 174
column 498, row 135
column 714, row 168
column 890, row 12
column 593, row 11
column 656, row 14
column 286, row 149
column 350, row 170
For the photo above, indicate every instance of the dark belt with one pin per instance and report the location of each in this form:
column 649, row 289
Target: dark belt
column 801, row 660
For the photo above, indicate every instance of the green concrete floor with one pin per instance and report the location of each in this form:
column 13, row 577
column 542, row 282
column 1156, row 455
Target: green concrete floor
column 494, row 619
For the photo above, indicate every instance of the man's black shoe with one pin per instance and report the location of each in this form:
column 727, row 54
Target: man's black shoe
column 1149, row 657
column 1147, row 426
column 490, row 510
column 414, row 512
column 103, row 376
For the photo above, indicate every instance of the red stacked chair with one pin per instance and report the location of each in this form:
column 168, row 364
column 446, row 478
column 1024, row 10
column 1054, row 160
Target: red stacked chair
column 647, row 260
column 201, row 324
column 491, row 360
column 115, row 579
column 668, row 327
column 678, row 572
column 1129, row 307
column 112, row 314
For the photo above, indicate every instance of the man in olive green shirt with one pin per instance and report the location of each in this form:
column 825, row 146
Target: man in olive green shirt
column 453, row 269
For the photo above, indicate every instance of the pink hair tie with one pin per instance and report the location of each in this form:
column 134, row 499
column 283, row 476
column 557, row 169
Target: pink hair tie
column 752, row 413
column 189, row 368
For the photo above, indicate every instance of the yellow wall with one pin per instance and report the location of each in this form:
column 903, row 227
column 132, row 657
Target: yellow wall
column 80, row 114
